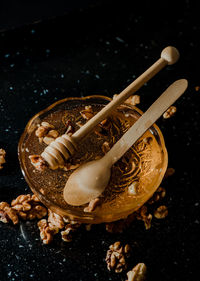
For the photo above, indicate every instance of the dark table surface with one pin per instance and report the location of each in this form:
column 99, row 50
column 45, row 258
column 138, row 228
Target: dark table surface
column 100, row 49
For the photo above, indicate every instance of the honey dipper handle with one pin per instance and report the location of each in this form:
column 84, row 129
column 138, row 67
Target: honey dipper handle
column 170, row 95
column 169, row 55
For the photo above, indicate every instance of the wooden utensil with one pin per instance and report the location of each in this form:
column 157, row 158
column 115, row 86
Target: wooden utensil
column 91, row 179
column 63, row 147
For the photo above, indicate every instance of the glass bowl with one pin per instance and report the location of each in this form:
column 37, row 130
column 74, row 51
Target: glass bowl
column 130, row 186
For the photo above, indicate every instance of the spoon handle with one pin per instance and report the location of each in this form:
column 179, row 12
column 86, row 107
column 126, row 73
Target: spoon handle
column 169, row 96
column 169, row 56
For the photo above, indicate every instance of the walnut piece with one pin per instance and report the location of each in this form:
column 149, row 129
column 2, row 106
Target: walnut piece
column 38, row 162
column 143, row 215
column 46, row 133
column 7, row 213
column 47, row 125
column 48, row 140
column 116, row 257
column 87, row 113
column 53, row 134
column 138, row 273
column 170, row 112
column 28, row 207
column 169, row 172
column 55, row 220
column 70, row 127
column 92, row 205
column 46, row 232
column 70, row 228
column 41, row 132
column 133, row 100
column 161, row 212
column 2, row 157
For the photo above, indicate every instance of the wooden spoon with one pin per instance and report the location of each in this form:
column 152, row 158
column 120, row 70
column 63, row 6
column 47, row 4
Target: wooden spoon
column 65, row 146
column 91, row 179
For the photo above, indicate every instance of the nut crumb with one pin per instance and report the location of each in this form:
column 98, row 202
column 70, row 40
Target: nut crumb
column 161, row 212
column 170, row 112
column 105, row 124
column 2, row 157
column 105, row 147
column 138, row 273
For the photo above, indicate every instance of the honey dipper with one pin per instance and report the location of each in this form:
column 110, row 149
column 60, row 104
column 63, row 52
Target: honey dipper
column 64, row 146
column 90, row 179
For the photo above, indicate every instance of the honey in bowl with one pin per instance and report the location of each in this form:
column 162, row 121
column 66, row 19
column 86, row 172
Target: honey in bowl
column 134, row 178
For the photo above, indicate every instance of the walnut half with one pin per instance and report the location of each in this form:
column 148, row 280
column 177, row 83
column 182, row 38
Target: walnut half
column 46, row 232
column 28, row 207
column 116, row 257
column 7, row 213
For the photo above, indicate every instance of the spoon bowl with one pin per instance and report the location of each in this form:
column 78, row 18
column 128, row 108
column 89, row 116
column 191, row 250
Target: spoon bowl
column 89, row 181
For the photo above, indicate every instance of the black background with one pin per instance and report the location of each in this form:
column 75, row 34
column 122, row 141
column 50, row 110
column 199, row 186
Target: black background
column 49, row 51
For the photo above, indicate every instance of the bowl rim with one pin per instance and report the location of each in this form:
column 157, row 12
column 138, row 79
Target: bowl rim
column 75, row 215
